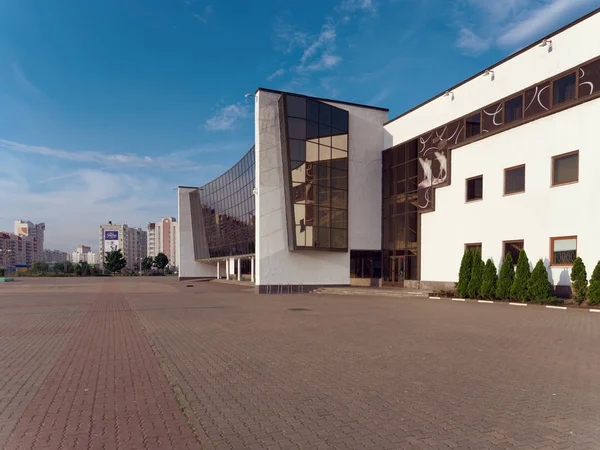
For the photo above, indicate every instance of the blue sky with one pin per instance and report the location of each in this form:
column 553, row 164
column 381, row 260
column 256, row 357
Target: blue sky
column 106, row 106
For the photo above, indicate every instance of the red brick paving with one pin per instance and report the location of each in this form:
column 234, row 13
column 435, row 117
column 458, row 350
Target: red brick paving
column 105, row 390
column 347, row 373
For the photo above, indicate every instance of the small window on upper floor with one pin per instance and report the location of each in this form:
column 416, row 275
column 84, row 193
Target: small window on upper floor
column 473, row 125
column 475, row 188
column 565, row 168
column 563, row 89
column 514, row 180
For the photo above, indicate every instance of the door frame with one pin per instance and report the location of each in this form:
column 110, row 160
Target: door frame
column 394, row 261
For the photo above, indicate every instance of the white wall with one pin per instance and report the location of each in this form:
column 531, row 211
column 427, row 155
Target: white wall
column 569, row 48
column 275, row 264
column 187, row 264
column 535, row 216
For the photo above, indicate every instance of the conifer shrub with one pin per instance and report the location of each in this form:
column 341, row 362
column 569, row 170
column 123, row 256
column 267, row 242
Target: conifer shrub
column 539, row 289
column 477, row 266
column 518, row 290
column 593, row 294
column 506, row 278
column 579, row 283
column 489, row 280
column 464, row 276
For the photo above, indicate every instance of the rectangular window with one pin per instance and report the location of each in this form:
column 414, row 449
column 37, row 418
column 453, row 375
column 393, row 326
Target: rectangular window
column 474, row 248
column 565, row 168
column 563, row 89
column 473, row 125
column 514, row 248
column 513, row 109
column 563, row 250
column 514, row 180
column 475, row 188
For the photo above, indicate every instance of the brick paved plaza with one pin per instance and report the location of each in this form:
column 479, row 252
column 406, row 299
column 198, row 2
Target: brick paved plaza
column 142, row 363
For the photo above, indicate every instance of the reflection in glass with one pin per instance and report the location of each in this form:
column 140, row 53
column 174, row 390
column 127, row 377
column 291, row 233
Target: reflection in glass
column 316, row 149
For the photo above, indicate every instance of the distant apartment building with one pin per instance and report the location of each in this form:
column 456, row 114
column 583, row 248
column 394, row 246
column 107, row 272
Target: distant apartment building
column 162, row 238
column 130, row 240
column 84, row 254
column 55, row 256
column 12, row 250
column 34, row 246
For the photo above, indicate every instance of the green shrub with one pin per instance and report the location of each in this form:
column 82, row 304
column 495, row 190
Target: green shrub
column 464, row 276
column 1, row 272
column 506, row 278
column 474, row 287
column 518, row 290
column 579, row 283
column 489, row 280
column 539, row 289
column 593, row 293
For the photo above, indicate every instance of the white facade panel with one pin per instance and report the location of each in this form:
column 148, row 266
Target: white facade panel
column 535, row 216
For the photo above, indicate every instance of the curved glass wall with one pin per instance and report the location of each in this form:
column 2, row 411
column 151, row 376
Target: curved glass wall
column 227, row 206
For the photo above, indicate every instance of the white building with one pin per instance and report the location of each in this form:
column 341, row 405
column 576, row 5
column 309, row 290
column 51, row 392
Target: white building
column 84, row 254
column 162, row 238
column 334, row 193
column 35, row 231
column 55, row 256
column 131, row 241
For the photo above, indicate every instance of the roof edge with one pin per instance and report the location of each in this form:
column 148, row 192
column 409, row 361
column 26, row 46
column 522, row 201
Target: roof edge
column 274, row 91
column 502, row 61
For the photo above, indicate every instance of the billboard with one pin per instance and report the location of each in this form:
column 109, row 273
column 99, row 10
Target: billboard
column 111, row 240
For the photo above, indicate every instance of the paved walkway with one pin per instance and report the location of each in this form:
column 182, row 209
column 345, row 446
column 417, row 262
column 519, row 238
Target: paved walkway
column 149, row 363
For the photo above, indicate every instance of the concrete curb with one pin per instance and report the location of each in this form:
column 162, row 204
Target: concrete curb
column 561, row 308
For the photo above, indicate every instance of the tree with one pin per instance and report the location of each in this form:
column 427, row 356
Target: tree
column 39, row 267
column 539, row 288
column 489, row 280
column 579, row 283
column 68, row 267
column 593, row 293
column 476, row 276
column 77, row 269
column 147, row 263
column 518, row 290
column 161, row 261
column 464, row 276
column 506, row 278
column 114, row 261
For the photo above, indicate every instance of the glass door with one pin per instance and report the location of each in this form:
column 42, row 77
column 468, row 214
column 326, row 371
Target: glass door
column 397, row 271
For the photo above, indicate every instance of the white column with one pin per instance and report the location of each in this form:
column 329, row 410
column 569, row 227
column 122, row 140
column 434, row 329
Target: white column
column 252, row 269
column 218, row 270
column 227, row 269
column 239, row 274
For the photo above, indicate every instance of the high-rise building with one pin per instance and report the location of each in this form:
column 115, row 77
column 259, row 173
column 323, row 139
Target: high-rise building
column 12, row 250
column 162, row 238
column 35, row 245
column 84, row 254
column 131, row 241
column 55, row 256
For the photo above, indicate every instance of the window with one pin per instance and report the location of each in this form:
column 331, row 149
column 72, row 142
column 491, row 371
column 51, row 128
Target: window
column 514, row 180
column 514, row 248
column 475, row 188
column 565, row 168
column 563, row 250
column 474, row 248
column 513, row 109
column 473, row 125
column 563, row 89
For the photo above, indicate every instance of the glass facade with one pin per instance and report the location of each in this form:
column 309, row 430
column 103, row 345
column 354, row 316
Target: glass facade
column 400, row 217
column 227, row 205
column 315, row 155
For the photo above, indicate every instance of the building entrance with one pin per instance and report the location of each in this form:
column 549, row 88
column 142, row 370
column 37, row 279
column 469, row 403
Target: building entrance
column 397, row 271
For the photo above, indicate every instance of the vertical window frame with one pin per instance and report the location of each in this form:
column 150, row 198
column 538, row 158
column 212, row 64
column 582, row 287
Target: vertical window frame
column 563, row 155
column 467, row 200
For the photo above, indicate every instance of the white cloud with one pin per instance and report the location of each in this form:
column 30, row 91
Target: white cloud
column 324, row 41
column 539, row 21
column 358, row 5
column 228, row 117
column 469, row 42
column 276, row 74
column 208, row 11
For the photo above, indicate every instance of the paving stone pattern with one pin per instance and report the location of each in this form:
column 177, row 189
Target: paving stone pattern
column 139, row 363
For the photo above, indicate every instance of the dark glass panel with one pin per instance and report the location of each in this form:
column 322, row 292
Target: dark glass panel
column 312, row 130
column 312, row 110
column 340, row 119
column 412, row 150
column 398, row 233
column 565, row 169
column 399, row 155
column 339, row 164
column 492, row 118
column 475, row 189
column 339, row 199
column 563, row 89
column 537, row 99
column 324, row 234
column 473, row 125
column 297, row 128
column 324, row 114
column 589, row 79
column 514, row 180
column 297, row 150
column 412, row 169
column 296, row 106
column 339, row 239
column 339, row 179
column 339, row 218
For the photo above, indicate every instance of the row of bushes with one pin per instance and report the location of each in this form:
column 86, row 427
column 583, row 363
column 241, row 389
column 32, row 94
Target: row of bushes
column 479, row 280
